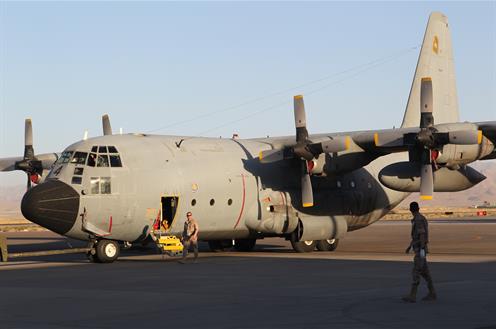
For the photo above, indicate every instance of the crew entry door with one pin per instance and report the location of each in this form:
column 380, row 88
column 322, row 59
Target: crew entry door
column 169, row 210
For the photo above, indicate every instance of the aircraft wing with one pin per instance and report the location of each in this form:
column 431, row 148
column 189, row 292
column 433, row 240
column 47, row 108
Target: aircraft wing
column 375, row 143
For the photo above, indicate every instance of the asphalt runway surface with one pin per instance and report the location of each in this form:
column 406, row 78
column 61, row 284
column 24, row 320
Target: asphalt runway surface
column 357, row 286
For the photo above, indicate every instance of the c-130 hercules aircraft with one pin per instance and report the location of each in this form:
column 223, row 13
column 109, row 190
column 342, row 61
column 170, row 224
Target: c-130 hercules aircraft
column 311, row 189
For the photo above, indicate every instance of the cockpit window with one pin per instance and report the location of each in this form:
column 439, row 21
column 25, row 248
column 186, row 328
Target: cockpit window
column 92, row 160
column 64, row 158
column 103, row 160
column 100, row 185
column 112, row 149
column 104, row 156
column 115, row 160
column 105, row 185
column 79, row 158
column 95, row 185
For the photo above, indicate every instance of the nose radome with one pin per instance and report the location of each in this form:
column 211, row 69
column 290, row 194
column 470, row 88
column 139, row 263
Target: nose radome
column 53, row 205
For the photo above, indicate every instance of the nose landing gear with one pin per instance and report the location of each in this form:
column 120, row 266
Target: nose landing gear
column 103, row 251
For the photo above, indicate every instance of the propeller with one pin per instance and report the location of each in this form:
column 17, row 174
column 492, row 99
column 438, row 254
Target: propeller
column 31, row 165
column 107, row 129
column 424, row 144
column 305, row 150
column 302, row 151
column 428, row 140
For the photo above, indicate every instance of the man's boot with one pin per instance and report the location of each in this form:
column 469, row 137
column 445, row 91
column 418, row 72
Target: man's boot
column 432, row 293
column 412, row 298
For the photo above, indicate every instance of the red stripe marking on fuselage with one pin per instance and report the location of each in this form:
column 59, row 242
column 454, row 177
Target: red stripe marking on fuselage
column 242, row 202
column 110, row 225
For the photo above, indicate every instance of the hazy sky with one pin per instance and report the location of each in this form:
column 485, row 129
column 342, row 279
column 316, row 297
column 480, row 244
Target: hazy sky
column 159, row 65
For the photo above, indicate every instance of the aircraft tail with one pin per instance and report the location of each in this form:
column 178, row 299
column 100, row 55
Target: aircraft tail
column 435, row 61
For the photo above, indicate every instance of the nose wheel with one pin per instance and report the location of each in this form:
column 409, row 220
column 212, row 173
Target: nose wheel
column 104, row 251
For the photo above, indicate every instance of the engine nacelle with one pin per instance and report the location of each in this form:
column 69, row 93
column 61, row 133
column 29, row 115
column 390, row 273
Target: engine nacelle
column 337, row 164
column 453, row 155
column 321, row 228
column 405, row 177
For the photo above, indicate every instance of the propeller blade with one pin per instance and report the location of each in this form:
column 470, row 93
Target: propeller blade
column 28, row 132
column 300, row 119
column 29, row 182
column 9, row 164
column 270, row 156
column 107, row 129
column 393, row 139
column 426, row 182
column 426, row 103
column 28, row 140
column 426, row 176
column 306, row 187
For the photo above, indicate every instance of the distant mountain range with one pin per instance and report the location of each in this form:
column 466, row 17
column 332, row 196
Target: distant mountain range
column 10, row 196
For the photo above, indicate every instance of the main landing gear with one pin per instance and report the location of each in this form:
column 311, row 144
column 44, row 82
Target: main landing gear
column 309, row 246
column 104, row 251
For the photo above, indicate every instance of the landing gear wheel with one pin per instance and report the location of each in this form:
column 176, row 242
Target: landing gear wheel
column 220, row 245
column 302, row 246
column 244, row 244
column 107, row 251
column 327, row 245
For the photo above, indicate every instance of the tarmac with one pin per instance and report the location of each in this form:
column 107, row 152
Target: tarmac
column 357, row 286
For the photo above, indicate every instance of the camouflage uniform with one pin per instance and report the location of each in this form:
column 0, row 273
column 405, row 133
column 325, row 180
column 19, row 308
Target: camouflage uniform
column 420, row 239
column 190, row 237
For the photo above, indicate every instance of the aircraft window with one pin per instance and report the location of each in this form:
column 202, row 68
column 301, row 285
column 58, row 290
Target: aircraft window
column 212, row 202
column 95, row 185
column 64, row 158
column 352, row 184
column 229, row 202
column 92, row 160
column 102, row 149
column 76, row 180
column 193, row 202
column 115, row 160
column 105, row 185
column 369, row 185
column 112, row 149
column 103, row 160
column 79, row 158
column 78, row 171
column 338, row 183
column 94, row 149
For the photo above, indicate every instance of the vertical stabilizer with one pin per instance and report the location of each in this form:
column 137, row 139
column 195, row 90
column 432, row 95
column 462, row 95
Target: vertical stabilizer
column 435, row 62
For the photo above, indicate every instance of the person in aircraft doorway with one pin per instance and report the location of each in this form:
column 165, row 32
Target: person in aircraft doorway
column 420, row 239
column 190, row 236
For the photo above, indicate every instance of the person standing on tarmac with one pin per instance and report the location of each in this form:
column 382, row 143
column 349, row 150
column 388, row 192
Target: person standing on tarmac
column 420, row 239
column 190, row 236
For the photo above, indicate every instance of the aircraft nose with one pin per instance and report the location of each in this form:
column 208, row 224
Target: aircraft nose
column 53, row 205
